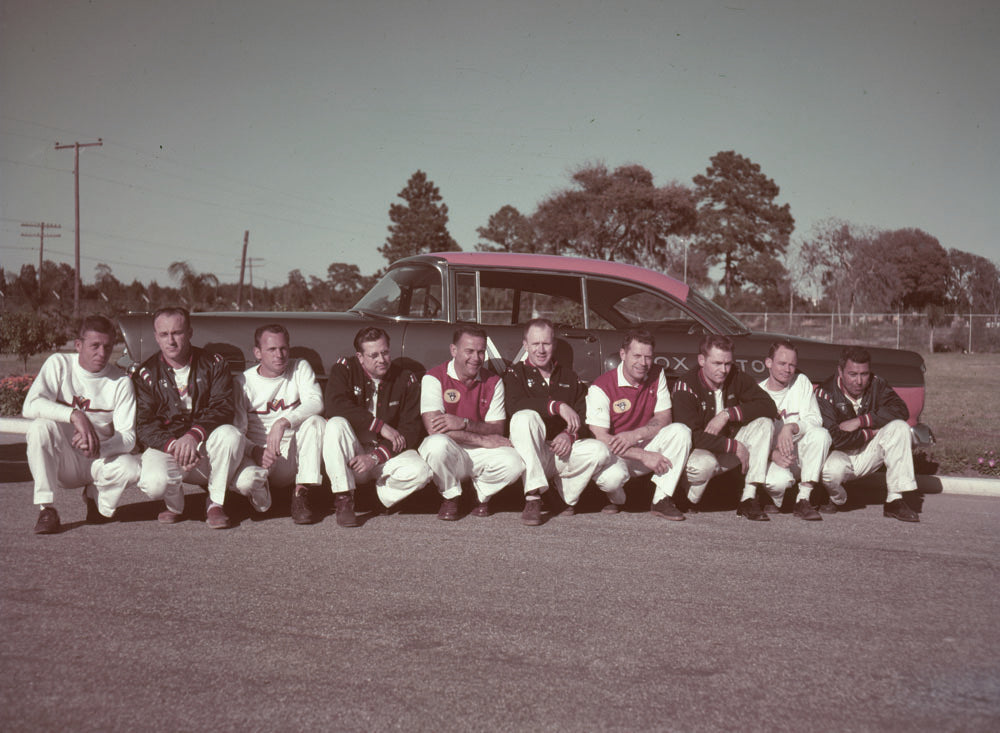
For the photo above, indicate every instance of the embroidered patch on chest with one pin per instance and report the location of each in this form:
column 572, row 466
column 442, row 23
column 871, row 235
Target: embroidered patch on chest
column 451, row 396
column 622, row 405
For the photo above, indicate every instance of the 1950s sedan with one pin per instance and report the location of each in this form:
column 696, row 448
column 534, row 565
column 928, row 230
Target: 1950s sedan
column 420, row 300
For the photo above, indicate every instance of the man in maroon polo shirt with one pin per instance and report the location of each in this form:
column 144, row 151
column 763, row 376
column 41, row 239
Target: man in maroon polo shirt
column 462, row 406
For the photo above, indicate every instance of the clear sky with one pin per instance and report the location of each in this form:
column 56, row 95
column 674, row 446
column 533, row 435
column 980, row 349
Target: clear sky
column 302, row 120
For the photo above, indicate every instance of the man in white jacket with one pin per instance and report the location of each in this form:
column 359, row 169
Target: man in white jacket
column 801, row 444
column 278, row 409
column 83, row 427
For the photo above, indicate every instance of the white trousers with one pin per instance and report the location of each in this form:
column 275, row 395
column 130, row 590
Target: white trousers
column 890, row 447
column 220, row 455
column 812, row 445
column 489, row 468
column 673, row 442
column 703, row 465
column 394, row 480
column 54, row 462
column 572, row 474
column 299, row 463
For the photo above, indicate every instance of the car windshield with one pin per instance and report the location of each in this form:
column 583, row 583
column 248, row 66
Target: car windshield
column 411, row 291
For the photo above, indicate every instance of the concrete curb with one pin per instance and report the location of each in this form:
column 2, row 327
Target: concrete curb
column 13, row 429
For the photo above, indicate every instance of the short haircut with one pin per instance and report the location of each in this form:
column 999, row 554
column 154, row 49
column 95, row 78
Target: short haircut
column 857, row 354
column 270, row 328
column 639, row 335
column 715, row 341
column 367, row 335
column 538, row 323
column 782, row 344
column 174, row 310
column 468, row 330
column 97, row 324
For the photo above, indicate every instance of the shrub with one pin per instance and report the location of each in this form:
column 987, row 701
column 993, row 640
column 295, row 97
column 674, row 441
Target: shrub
column 13, row 390
column 27, row 334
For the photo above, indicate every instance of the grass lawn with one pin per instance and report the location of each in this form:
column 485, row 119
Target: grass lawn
column 962, row 408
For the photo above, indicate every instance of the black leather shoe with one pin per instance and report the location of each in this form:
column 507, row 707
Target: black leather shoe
column 750, row 508
column 804, row 510
column 48, row 521
column 343, row 506
column 666, row 508
column 482, row 509
column 900, row 510
column 831, row 508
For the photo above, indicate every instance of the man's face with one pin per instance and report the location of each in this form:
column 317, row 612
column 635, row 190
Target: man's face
column 173, row 338
column 855, row 378
column 538, row 343
column 94, row 350
column 272, row 354
column 715, row 366
column 374, row 357
column 637, row 360
column 469, row 354
column 782, row 366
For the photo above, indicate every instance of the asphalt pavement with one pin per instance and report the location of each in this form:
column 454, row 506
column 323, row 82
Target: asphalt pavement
column 588, row 623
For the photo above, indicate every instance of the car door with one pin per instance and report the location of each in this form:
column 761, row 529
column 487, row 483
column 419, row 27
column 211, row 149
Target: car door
column 503, row 301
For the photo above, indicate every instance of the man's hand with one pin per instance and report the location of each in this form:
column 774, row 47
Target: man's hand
column 623, row 441
column 394, row 437
column 849, row 426
column 655, row 462
column 362, row 463
column 561, row 445
column 274, row 436
column 185, row 452
column 571, row 417
column 494, row 441
column 717, row 423
column 744, row 455
column 786, row 440
column 444, row 423
column 780, row 459
column 85, row 439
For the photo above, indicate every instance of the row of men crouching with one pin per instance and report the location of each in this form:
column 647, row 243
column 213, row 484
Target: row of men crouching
column 264, row 429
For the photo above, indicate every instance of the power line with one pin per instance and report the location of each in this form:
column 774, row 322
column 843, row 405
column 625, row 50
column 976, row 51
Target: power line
column 40, row 226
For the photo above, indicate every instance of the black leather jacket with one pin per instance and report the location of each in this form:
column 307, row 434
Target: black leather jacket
column 160, row 415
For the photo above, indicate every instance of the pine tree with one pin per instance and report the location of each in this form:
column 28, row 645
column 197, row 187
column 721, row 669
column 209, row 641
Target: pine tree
column 421, row 224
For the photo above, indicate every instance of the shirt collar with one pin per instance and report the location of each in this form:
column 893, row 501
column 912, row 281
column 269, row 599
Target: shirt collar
column 454, row 374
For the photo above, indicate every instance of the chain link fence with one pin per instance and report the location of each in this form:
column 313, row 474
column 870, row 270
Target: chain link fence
column 968, row 332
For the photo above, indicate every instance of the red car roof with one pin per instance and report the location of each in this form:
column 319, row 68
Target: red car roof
column 565, row 263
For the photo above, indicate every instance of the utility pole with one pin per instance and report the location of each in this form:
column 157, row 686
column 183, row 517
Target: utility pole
column 243, row 265
column 76, row 189
column 40, row 226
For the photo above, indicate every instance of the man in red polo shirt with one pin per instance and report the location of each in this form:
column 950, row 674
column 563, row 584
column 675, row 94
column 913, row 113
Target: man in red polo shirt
column 629, row 410
column 462, row 406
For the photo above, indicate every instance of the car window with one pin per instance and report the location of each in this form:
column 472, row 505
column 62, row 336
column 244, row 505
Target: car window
column 413, row 291
column 616, row 304
column 510, row 298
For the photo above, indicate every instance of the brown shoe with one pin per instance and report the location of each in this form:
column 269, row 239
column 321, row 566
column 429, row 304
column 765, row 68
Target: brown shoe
column 449, row 510
column 666, row 508
column 569, row 511
column 482, row 509
column 611, row 508
column 532, row 514
column 343, row 505
column 168, row 517
column 48, row 521
column 216, row 518
column 750, row 508
column 301, row 513
column 805, row 510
